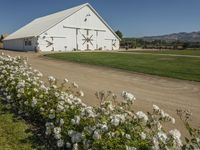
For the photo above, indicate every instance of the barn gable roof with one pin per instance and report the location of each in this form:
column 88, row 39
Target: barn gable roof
column 42, row 24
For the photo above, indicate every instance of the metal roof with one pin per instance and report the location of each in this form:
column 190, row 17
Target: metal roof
column 42, row 24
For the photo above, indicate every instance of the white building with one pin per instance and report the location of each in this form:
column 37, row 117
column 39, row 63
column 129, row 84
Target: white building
column 77, row 28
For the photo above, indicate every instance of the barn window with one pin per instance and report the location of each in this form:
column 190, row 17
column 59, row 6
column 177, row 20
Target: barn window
column 27, row 42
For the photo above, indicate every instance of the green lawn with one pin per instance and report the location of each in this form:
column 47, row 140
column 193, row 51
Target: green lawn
column 176, row 67
column 15, row 133
column 178, row 52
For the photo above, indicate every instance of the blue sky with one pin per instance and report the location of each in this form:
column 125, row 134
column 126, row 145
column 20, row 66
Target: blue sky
column 135, row 18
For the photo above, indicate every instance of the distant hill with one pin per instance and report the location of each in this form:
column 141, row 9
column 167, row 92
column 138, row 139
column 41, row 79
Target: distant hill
column 182, row 36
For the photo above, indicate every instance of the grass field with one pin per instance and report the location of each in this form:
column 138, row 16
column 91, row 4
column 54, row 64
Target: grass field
column 15, row 134
column 177, row 52
column 169, row 66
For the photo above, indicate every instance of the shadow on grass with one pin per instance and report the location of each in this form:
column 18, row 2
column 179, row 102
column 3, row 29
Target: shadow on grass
column 35, row 139
column 26, row 133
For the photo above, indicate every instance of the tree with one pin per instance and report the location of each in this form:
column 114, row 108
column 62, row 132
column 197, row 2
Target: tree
column 1, row 38
column 119, row 33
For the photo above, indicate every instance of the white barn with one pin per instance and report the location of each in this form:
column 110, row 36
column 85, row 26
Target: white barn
column 77, row 28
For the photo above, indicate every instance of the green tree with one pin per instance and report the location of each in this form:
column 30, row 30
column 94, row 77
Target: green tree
column 119, row 33
column 1, row 38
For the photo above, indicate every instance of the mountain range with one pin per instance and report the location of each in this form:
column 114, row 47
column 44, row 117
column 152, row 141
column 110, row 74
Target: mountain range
column 182, row 36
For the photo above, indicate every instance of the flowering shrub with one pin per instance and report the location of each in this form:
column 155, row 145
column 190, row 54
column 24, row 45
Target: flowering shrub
column 71, row 124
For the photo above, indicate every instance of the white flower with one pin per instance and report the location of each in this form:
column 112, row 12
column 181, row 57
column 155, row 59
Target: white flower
column 172, row 120
column 66, row 80
column 8, row 97
column 57, row 130
column 62, row 122
column 198, row 139
column 162, row 113
column 128, row 136
column 88, row 111
column 96, row 135
column 51, row 116
column 26, row 103
column 110, row 107
column 41, row 96
column 40, row 74
column 34, row 102
column 128, row 96
column 76, row 120
column 76, row 137
column 48, row 131
column 142, row 115
column 104, row 127
column 75, row 85
column 156, row 108
column 51, row 79
column 68, row 145
column 13, row 82
column 75, row 146
column 81, row 93
column 159, row 126
column 115, row 121
column 57, row 94
column 35, row 90
column 60, row 143
column 41, row 109
column 60, row 108
column 71, row 132
column 52, row 111
column 143, row 135
column 155, row 144
column 162, row 136
column 176, row 135
column 57, row 136
column 54, row 86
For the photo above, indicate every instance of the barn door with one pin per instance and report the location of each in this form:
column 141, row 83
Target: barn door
column 86, row 39
column 47, row 43
column 111, row 44
column 114, row 44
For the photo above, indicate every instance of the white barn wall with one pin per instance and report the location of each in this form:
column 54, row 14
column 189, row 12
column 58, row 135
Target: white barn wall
column 64, row 33
column 19, row 44
column 14, row 44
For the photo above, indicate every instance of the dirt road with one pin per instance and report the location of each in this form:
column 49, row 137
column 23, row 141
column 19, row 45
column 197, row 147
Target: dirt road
column 167, row 93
